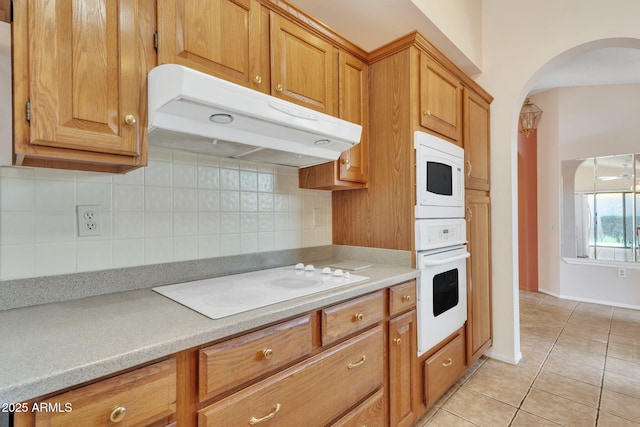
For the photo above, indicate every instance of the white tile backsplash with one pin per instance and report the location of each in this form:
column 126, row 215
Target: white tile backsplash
column 182, row 206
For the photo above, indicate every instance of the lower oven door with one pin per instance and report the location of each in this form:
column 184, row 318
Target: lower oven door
column 442, row 295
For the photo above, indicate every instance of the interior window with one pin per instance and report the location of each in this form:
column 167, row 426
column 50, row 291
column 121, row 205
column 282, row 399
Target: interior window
column 603, row 194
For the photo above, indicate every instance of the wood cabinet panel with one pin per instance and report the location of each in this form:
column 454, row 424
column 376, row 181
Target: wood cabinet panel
column 224, row 38
column 402, row 297
column 231, row 363
column 342, row 320
column 145, row 396
column 304, row 67
column 81, row 66
column 479, row 327
column 444, row 368
column 5, row 10
column 476, row 141
column 403, row 381
column 306, row 394
column 440, row 100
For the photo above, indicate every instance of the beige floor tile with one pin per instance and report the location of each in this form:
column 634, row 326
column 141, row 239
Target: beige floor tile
column 525, row 419
column 585, row 307
column 592, row 334
column 480, row 409
column 624, row 340
column 443, row 418
column 588, row 345
column 623, row 367
column 569, row 369
column 609, row 420
column 501, row 388
column 578, row 357
column 621, row 384
column 558, row 409
column 625, row 327
column 624, row 406
column 586, row 321
column 568, row 388
column 523, row 372
column 625, row 352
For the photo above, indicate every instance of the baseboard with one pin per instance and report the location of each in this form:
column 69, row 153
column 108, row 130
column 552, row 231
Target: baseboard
column 502, row 358
column 591, row 301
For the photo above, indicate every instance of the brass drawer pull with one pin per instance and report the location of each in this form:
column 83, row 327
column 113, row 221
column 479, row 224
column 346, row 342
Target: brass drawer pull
column 118, row 414
column 449, row 362
column 358, row 317
column 406, row 298
column 267, row 353
column 470, row 168
column 358, row 363
column 254, row 420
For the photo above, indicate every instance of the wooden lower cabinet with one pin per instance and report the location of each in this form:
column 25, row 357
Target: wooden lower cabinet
column 311, row 393
column 443, row 368
column 144, row 397
column 369, row 413
column 403, row 375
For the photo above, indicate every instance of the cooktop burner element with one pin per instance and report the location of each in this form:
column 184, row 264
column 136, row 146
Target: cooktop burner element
column 223, row 296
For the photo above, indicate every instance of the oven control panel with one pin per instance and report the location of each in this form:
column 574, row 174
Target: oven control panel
column 439, row 233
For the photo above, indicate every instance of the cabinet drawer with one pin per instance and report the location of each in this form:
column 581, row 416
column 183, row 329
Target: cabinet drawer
column 444, row 368
column 141, row 397
column 344, row 319
column 369, row 413
column 231, row 363
column 311, row 393
column 402, row 297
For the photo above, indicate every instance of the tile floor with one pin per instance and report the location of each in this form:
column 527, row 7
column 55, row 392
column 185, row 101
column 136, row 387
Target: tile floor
column 580, row 367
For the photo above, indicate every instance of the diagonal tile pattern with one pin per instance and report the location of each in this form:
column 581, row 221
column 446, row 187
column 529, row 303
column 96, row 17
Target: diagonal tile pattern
column 580, row 367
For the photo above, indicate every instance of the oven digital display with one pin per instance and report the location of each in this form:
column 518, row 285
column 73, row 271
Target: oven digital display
column 439, row 178
column 445, row 291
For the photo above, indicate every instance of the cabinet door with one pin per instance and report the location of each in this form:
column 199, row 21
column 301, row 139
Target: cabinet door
column 403, row 388
column 440, row 100
column 85, row 83
column 476, row 141
column 304, row 67
column 225, row 38
column 353, row 101
column 479, row 334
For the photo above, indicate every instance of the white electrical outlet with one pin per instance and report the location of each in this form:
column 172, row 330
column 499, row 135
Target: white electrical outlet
column 317, row 217
column 89, row 220
column 622, row 272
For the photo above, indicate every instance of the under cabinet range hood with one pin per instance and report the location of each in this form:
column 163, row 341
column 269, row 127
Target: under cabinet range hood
column 197, row 112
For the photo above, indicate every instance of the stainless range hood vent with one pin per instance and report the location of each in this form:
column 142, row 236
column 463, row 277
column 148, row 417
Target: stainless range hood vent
column 193, row 111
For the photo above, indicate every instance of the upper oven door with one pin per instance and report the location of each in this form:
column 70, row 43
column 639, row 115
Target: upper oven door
column 439, row 178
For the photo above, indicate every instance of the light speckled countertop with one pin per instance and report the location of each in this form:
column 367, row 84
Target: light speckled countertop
column 48, row 347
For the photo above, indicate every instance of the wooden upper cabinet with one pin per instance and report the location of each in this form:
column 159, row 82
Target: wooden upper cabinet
column 82, row 65
column 476, row 141
column 224, row 38
column 440, row 100
column 304, row 67
column 351, row 170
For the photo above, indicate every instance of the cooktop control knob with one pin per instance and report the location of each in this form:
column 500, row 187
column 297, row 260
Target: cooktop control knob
column 309, row 267
column 299, row 266
column 338, row 273
column 326, row 270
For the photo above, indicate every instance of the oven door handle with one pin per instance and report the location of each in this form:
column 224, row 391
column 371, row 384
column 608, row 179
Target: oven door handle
column 432, row 263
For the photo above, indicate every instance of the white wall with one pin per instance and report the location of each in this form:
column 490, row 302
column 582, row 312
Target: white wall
column 582, row 122
column 519, row 40
column 182, row 206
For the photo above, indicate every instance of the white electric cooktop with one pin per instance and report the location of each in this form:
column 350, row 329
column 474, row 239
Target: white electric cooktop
column 226, row 295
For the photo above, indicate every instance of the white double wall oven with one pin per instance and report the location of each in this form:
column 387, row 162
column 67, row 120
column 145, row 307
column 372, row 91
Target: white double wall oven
column 441, row 237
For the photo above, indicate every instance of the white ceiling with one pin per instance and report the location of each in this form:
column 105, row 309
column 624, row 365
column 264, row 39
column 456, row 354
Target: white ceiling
column 371, row 24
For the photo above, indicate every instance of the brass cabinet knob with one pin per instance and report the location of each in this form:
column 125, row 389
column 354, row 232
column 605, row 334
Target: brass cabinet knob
column 130, row 119
column 267, row 353
column 257, row 79
column 406, row 298
column 118, row 414
column 398, row 341
column 346, row 160
column 358, row 317
column 427, row 113
column 279, row 88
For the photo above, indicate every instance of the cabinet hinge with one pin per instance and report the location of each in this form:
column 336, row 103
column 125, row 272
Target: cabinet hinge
column 27, row 111
column 155, row 41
